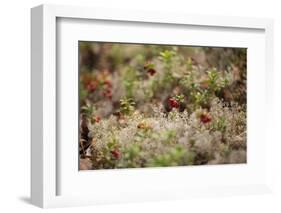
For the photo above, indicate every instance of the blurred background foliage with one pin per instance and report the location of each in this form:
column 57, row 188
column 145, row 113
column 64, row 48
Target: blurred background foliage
column 154, row 73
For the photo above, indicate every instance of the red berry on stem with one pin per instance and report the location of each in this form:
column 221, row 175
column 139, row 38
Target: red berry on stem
column 116, row 153
column 91, row 86
column 173, row 103
column 107, row 93
column 205, row 118
column 97, row 119
column 151, row 71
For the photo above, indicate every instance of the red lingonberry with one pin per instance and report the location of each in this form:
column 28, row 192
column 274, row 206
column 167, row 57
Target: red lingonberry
column 97, row 119
column 116, row 153
column 91, row 86
column 107, row 93
column 151, row 71
column 205, row 118
column 173, row 103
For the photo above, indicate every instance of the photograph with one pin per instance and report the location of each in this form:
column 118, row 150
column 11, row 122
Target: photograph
column 161, row 105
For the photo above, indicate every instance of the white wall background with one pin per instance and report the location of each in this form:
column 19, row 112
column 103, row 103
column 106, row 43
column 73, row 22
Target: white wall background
column 15, row 105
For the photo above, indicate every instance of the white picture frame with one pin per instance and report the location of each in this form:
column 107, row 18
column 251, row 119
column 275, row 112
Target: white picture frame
column 47, row 167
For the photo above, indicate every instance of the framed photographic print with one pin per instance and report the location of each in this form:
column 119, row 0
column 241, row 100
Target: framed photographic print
column 129, row 106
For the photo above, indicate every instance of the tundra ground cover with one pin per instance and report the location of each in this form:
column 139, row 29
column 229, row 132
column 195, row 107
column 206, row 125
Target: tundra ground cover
column 159, row 105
